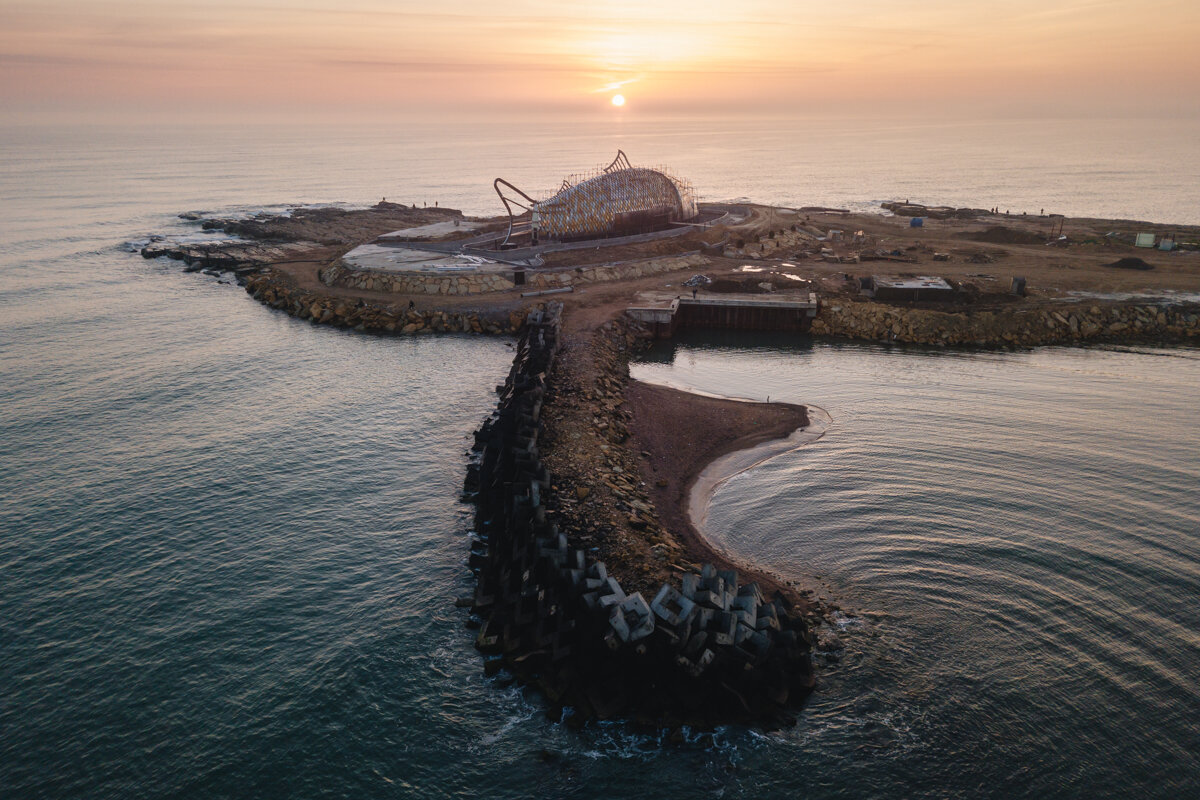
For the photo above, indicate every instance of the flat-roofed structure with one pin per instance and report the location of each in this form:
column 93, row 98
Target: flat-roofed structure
column 920, row 287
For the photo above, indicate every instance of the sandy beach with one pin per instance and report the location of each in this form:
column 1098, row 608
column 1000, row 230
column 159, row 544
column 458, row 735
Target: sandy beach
column 683, row 433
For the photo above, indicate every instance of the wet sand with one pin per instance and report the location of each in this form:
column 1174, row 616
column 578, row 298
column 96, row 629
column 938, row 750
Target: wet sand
column 680, row 434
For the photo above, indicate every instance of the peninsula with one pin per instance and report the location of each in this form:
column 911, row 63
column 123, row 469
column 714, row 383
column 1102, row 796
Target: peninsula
column 594, row 582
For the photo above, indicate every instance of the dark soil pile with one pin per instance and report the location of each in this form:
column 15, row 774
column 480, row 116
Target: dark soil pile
column 1130, row 262
column 998, row 234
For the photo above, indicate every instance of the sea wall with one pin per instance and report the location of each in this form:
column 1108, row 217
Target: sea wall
column 706, row 652
column 276, row 291
column 434, row 283
column 1018, row 326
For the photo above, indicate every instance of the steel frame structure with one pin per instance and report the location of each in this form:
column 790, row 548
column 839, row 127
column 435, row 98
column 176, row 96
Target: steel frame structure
column 594, row 204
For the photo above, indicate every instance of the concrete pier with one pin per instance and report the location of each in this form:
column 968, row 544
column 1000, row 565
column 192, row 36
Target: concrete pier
column 663, row 313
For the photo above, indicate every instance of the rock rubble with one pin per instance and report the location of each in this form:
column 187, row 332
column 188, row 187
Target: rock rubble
column 707, row 651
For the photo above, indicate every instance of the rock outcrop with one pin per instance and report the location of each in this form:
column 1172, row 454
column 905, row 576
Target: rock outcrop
column 226, row 256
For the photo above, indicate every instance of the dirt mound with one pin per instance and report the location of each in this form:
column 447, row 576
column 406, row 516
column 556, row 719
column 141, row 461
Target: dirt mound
column 1130, row 262
column 980, row 256
column 998, row 234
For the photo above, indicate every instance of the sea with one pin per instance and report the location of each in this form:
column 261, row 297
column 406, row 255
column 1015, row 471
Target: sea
column 230, row 541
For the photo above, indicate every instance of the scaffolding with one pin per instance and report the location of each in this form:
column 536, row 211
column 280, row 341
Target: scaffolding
column 617, row 199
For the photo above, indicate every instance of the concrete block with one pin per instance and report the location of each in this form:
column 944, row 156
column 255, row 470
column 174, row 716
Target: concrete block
column 691, row 583
column 730, row 579
column 636, row 608
column 612, row 587
column 671, row 606
column 751, row 590
column 747, row 618
column 724, row 625
column 767, row 623
column 610, row 600
column 744, row 602
column 616, row 618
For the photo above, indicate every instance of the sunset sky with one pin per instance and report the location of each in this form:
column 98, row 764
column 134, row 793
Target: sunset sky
column 222, row 57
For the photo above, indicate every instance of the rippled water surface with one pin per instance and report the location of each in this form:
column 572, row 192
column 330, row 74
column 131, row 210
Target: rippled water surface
column 230, row 541
column 1015, row 538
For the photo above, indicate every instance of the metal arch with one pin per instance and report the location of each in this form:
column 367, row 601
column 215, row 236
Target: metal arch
column 619, row 163
column 511, row 217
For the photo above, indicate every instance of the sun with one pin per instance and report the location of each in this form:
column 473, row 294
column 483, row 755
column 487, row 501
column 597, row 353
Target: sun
column 618, row 100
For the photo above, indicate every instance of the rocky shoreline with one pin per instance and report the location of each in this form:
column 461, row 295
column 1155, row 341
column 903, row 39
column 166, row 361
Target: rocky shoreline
column 272, row 289
column 593, row 584
column 706, row 650
column 1057, row 323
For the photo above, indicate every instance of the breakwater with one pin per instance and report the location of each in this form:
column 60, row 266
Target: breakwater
column 708, row 651
column 1017, row 326
column 272, row 289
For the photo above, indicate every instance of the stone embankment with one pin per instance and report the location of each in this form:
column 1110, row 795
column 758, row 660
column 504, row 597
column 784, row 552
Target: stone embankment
column 238, row 257
column 272, row 289
column 482, row 282
column 1017, row 326
column 706, row 652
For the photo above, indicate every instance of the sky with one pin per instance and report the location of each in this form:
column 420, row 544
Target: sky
column 223, row 59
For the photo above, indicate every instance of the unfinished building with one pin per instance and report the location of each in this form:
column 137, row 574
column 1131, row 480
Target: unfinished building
column 618, row 200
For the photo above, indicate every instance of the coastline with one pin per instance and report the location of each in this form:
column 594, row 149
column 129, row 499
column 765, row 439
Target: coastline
column 687, row 437
column 576, row 619
column 623, row 472
column 736, row 460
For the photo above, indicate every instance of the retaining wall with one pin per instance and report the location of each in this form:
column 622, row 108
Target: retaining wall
column 340, row 274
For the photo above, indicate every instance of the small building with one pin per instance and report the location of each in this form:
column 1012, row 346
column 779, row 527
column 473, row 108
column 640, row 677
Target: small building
column 921, row 287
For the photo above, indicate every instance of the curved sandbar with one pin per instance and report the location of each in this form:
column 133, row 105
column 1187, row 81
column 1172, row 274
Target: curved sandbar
column 733, row 463
column 691, row 443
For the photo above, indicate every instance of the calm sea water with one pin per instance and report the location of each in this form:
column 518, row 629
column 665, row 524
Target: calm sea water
column 229, row 541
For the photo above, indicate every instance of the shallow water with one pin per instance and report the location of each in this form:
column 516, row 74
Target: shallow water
column 230, row 540
column 1015, row 538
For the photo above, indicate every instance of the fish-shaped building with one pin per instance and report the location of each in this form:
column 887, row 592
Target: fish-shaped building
column 619, row 200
